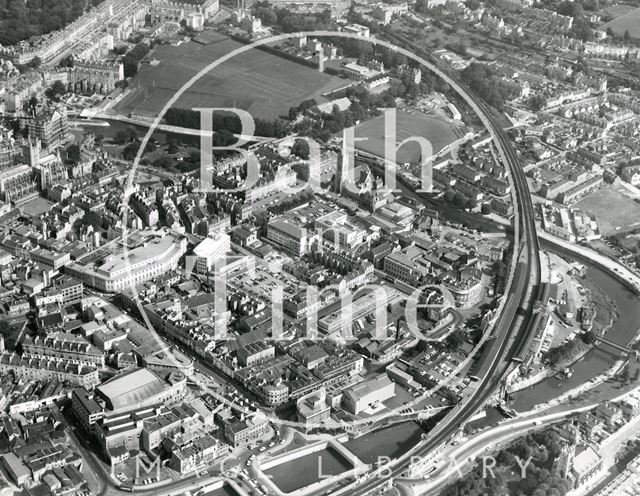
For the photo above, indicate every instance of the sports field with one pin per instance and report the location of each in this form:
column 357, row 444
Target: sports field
column 263, row 84
column 439, row 131
column 615, row 208
column 628, row 21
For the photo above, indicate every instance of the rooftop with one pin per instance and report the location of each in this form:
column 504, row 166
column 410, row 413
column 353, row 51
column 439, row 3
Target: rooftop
column 130, row 387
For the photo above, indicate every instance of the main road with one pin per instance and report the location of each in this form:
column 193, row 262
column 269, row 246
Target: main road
column 454, row 457
column 514, row 328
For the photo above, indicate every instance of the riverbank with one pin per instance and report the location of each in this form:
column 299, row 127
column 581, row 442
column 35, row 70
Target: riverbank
column 595, row 361
column 566, row 355
column 624, row 275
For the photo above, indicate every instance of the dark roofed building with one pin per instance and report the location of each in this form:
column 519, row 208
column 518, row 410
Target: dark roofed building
column 50, row 323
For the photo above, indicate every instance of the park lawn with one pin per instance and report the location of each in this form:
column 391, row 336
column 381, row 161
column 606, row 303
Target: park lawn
column 437, row 130
column 629, row 21
column 263, row 84
column 614, row 208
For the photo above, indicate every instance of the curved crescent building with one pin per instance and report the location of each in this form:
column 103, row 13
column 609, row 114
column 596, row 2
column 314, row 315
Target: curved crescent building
column 117, row 271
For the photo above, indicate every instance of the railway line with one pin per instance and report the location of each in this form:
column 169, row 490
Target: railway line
column 515, row 326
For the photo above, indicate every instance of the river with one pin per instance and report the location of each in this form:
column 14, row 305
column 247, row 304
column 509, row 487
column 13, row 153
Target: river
column 597, row 360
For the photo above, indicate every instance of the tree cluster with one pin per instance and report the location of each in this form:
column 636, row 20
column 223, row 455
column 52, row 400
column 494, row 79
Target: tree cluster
column 128, row 137
column 540, row 449
column 460, row 200
column 499, row 274
column 486, row 208
column 67, row 61
column 564, row 352
column 124, row 136
column 302, row 108
column 589, row 337
column 30, row 105
column 224, row 123
column 364, row 105
column 422, row 7
column 481, row 79
column 537, row 102
column 21, row 20
column 290, row 22
column 73, row 154
column 133, row 58
column 459, row 47
column 300, row 149
column 295, row 201
column 322, row 128
column 15, row 125
column 581, row 28
column 366, row 53
column 56, row 90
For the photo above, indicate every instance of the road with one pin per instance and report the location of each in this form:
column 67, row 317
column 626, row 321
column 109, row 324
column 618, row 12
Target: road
column 514, row 327
column 453, row 458
column 621, row 272
column 170, row 129
column 475, row 447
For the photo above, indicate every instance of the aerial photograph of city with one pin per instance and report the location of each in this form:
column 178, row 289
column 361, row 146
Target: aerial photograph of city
column 320, row 247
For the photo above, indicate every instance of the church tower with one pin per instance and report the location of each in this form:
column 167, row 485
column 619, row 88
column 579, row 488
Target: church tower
column 564, row 463
column 35, row 148
column 344, row 170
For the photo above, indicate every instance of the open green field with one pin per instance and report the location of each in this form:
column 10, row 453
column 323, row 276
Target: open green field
column 263, row 84
column 614, row 207
column 437, row 130
column 628, row 21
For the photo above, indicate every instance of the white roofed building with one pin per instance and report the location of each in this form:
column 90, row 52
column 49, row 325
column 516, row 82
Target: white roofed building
column 366, row 394
column 139, row 388
column 208, row 252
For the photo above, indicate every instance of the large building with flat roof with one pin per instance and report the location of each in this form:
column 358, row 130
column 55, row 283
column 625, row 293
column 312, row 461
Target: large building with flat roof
column 362, row 396
column 313, row 408
column 207, row 252
column 341, row 320
column 16, row 469
column 290, row 238
column 85, row 408
column 255, row 353
column 138, row 388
